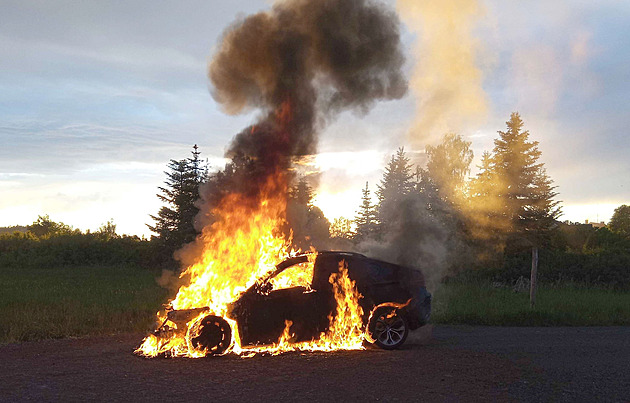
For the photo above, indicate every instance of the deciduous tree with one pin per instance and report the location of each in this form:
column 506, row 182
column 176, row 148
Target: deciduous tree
column 341, row 228
column 620, row 221
column 448, row 166
column 44, row 227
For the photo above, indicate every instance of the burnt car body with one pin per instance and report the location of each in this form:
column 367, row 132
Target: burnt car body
column 394, row 301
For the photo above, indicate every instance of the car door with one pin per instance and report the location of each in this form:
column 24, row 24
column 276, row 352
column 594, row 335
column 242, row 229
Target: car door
column 285, row 298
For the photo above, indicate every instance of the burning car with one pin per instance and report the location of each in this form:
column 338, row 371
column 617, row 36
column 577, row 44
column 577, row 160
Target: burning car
column 299, row 299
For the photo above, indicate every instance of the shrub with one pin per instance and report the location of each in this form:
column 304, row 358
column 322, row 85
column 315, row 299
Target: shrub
column 598, row 268
column 72, row 249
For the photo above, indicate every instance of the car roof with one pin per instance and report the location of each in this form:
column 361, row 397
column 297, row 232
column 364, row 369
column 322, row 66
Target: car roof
column 304, row 256
column 301, row 258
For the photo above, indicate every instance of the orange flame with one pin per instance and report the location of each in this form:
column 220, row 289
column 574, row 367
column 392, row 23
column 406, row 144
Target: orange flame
column 345, row 331
column 239, row 248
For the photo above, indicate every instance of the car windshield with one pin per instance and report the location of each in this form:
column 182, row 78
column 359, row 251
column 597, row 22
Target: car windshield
column 297, row 275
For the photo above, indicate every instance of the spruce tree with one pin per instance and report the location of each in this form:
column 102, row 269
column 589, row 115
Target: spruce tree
column 305, row 221
column 513, row 186
column 174, row 222
column 365, row 219
column 487, row 221
column 397, row 183
column 302, row 193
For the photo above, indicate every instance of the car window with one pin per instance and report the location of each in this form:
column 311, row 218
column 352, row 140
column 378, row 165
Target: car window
column 380, row 273
column 298, row 275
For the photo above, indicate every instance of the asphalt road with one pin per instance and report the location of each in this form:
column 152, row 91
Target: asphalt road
column 453, row 364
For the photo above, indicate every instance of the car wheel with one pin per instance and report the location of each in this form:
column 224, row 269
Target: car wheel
column 212, row 334
column 388, row 328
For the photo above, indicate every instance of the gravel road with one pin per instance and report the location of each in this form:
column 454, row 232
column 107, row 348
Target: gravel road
column 453, row 363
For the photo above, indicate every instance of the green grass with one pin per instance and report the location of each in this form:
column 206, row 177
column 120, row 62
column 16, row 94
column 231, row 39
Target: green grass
column 564, row 305
column 64, row 302
column 51, row 303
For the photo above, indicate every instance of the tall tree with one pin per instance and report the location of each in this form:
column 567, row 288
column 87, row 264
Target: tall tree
column 365, row 219
column 174, row 222
column 408, row 231
column 306, row 221
column 194, row 175
column 513, row 186
column 448, row 166
column 302, row 193
column 397, row 183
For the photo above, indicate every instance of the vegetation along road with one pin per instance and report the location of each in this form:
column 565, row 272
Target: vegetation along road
column 454, row 364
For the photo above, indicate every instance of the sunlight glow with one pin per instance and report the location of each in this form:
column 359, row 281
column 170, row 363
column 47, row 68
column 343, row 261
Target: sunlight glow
column 594, row 212
column 340, row 204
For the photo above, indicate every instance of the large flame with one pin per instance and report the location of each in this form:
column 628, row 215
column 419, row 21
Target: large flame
column 345, row 331
column 242, row 246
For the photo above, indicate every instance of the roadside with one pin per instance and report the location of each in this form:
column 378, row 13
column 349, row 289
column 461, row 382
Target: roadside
column 458, row 363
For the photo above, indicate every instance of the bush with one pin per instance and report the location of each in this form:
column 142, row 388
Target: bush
column 74, row 249
column 599, row 268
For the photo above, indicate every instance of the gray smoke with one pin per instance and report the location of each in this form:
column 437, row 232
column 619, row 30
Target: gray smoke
column 414, row 237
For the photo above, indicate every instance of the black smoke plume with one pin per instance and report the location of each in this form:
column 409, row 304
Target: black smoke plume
column 299, row 64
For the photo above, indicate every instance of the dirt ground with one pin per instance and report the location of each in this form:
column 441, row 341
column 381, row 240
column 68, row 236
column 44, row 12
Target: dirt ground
column 446, row 363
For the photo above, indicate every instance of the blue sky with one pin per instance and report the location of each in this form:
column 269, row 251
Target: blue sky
column 96, row 97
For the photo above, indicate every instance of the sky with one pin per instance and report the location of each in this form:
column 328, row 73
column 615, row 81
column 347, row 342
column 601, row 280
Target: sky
column 96, row 98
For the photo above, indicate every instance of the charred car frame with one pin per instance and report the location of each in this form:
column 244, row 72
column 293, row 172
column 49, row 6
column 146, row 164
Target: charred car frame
column 394, row 301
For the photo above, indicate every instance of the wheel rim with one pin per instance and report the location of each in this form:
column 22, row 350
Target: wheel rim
column 213, row 335
column 389, row 329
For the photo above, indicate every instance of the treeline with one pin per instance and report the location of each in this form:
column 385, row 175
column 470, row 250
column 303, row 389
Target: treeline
column 440, row 219
column 435, row 217
column 48, row 244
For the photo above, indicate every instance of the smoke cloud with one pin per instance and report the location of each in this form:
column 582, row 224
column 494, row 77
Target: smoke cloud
column 414, row 238
column 300, row 64
column 446, row 80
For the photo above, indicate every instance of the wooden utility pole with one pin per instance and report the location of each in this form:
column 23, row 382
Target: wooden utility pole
column 532, row 283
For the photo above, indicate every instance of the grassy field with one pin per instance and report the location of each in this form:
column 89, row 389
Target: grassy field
column 64, row 302
column 565, row 305
column 51, row 303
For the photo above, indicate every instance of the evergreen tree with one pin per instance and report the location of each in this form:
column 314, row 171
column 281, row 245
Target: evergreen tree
column 409, row 233
column 194, row 175
column 486, row 221
column 365, row 219
column 397, row 183
column 486, row 204
column 513, row 186
column 305, row 221
column 302, row 193
column 174, row 223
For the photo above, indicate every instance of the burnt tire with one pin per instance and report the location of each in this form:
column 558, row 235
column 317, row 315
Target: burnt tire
column 388, row 328
column 213, row 335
